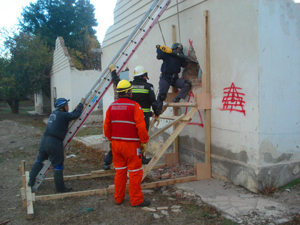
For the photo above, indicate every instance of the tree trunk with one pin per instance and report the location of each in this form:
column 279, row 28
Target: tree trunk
column 14, row 106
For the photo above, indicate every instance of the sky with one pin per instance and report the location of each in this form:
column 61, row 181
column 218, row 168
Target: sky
column 10, row 11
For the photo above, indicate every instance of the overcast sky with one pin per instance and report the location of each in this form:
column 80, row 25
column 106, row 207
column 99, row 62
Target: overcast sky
column 10, row 11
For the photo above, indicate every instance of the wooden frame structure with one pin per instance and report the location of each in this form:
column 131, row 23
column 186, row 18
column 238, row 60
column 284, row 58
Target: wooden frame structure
column 202, row 170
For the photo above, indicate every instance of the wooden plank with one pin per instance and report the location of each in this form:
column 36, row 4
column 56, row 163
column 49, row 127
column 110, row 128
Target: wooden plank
column 168, row 182
column 29, row 199
column 22, row 171
column 166, row 127
column 23, row 196
column 170, row 97
column 202, row 171
column 181, row 104
column 167, row 117
column 203, row 100
column 100, row 192
column 93, row 174
column 167, row 143
column 171, row 159
column 206, row 89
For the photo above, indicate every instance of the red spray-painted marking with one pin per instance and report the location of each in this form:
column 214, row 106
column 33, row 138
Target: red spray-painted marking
column 233, row 101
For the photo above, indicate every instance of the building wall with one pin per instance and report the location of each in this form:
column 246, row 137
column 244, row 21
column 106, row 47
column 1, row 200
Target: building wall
column 66, row 79
column 279, row 89
column 250, row 42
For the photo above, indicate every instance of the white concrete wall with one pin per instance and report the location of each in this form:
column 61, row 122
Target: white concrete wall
column 254, row 45
column 68, row 81
column 279, row 82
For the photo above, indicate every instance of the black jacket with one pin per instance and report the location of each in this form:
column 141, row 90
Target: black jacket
column 171, row 63
column 58, row 122
column 143, row 93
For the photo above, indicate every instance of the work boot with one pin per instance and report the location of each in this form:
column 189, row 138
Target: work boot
column 145, row 161
column 59, row 182
column 143, row 204
column 177, row 99
column 31, row 182
column 36, row 168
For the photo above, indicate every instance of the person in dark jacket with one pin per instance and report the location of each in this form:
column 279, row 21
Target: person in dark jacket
column 170, row 69
column 142, row 93
column 51, row 146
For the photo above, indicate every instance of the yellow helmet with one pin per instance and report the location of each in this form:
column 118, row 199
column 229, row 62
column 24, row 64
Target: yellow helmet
column 124, row 86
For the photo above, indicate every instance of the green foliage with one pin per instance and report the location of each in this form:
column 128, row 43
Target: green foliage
column 24, row 69
column 71, row 19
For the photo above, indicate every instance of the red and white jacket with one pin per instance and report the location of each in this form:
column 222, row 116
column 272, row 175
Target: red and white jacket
column 125, row 121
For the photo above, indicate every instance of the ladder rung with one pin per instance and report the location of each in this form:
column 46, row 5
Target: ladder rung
column 181, row 104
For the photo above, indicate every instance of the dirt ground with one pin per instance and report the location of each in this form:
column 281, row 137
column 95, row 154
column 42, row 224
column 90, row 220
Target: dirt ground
column 20, row 136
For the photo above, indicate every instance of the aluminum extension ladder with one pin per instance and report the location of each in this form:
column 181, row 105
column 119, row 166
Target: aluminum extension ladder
column 102, row 84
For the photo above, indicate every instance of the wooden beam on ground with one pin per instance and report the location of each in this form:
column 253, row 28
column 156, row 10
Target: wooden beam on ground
column 29, row 199
column 100, row 192
column 202, row 171
column 168, row 182
column 93, row 174
column 167, row 143
column 206, row 89
column 166, row 127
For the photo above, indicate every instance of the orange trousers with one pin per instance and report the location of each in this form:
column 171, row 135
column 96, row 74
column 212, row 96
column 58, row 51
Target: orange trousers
column 126, row 157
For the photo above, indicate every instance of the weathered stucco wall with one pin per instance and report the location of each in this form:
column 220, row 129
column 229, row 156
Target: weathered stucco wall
column 279, row 92
column 254, row 53
column 66, row 79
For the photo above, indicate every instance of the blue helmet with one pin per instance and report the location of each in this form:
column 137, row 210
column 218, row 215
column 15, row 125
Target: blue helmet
column 60, row 103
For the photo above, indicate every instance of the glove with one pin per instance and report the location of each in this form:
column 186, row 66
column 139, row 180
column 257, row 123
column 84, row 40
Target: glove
column 164, row 48
column 110, row 145
column 156, row 120
column 112, row 67
column 143, row 147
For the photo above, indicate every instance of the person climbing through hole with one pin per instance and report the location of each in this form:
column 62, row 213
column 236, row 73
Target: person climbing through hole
column 173, row 60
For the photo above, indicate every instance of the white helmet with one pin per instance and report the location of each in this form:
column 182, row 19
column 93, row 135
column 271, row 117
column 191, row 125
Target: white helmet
column 140, row 71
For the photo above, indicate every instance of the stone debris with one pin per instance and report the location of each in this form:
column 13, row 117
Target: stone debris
column 281, row 221
column 176, row 210
column 156, row 216
column 149, row 209
column 147, row 191
column 166, row 213
column 175, row 207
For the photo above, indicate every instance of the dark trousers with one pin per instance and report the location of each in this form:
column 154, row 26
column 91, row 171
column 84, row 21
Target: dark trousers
column 164, row 85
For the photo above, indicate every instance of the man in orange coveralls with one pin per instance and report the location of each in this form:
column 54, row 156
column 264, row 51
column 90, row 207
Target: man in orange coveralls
column 125, row 128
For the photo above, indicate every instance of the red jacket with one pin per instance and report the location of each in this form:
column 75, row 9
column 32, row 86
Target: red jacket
column 125, row 121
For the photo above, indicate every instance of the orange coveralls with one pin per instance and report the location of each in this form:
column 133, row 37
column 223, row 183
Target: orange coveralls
column 125, row 125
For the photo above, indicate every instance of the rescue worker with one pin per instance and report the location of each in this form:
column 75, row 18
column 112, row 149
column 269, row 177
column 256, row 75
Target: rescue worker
column 51, row 146
column 142, row 93
column 125, row 128
column 170, row 69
